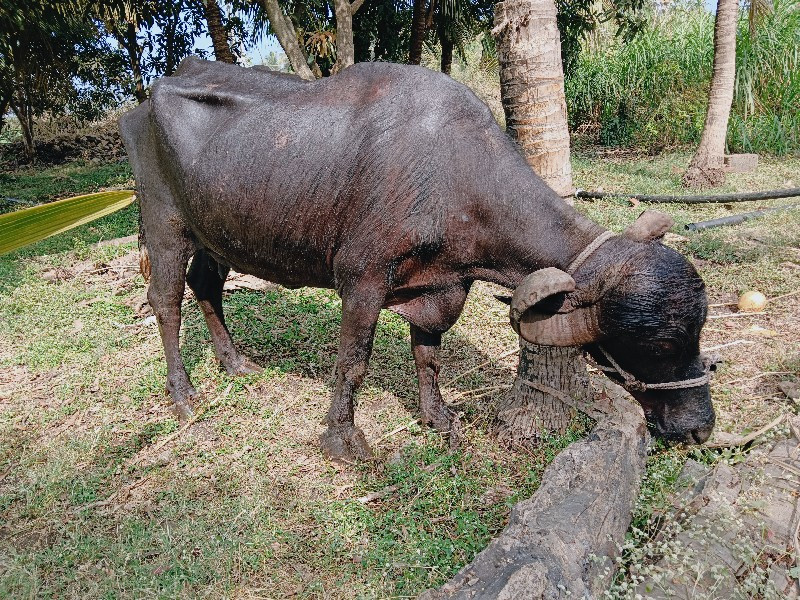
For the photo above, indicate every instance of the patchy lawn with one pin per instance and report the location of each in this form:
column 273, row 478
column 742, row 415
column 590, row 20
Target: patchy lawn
column 102, row 494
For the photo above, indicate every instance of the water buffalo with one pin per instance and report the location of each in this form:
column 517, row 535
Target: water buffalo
column 393, row 185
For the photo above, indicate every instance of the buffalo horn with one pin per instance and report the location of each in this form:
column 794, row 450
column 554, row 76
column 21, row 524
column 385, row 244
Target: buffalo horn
column 573, row 328
column 536, row 287
column 650, row 225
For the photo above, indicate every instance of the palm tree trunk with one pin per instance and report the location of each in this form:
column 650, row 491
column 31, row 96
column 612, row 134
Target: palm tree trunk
column 532, row 87
column 707, row 165
column 219, row 37
column 532, row 92
column 419, row 26
column 447, row 54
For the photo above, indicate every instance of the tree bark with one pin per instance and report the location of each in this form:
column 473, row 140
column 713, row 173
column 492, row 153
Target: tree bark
column 561, row 543
column 447, row 54
column 217, row 33
column 131, row 45
column 21, row 109
column 287, row 37
column 532, row 87
column 707, row 166
column 419, row 26
column 532, row 92
column 345, row 51
column 528, row 413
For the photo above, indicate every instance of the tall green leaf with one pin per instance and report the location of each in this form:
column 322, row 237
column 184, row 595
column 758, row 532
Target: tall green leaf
column 29, row 225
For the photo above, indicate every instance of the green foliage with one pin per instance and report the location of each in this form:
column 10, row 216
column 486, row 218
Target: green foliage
column 31, row 225
column 54, row 60
column 652, row 91
column 33, row 186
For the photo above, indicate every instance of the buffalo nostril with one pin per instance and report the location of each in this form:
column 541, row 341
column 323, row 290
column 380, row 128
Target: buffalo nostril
column 701, row 435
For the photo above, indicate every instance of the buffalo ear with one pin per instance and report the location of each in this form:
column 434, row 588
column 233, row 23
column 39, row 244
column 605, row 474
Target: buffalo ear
column 650, row 225
column 504, row 299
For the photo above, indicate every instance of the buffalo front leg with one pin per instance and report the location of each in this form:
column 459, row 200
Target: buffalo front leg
column 425, row 347
column 165, row 294
column 206, row 277
column 343, row 441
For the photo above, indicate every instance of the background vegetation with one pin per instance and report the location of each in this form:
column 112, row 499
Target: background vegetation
column 651, row 92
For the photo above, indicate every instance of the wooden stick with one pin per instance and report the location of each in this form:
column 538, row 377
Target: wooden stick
column 762, row 374
column 729, row 344
column 483, row 364
column 742, row 441
column 735, row 315
column 783, row 296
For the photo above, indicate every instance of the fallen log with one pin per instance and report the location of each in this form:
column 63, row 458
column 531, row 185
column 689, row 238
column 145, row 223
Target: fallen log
column 562, row 541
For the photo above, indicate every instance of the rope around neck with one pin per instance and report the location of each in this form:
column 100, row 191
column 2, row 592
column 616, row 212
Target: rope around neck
column 588, row 251
column 630, row 382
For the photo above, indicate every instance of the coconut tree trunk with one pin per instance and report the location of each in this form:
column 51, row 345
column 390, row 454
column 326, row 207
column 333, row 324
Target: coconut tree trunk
column 447, row 54
column 217, row 32
column 707, row 165
column 532, row 92
column 531, row 410
column 532, row 87
column 419, row 26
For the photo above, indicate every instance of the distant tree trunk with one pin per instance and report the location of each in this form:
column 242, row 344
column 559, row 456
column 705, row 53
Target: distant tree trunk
column 532, row 87
column 345, row 50
column 217, row 32
column 22, row 110
column 129, row 42
column 447, row 54
column 532, row 92
column 287, row 37
column 419, row 27
column 707, row 165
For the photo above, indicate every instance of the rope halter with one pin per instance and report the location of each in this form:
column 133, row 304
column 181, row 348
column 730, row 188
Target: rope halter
column 630, row 382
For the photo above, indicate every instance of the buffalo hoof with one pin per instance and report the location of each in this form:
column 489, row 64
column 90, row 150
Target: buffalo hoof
column 444, row 420
column 244, row 366
column 183, row 400
column 345, row 444
column 182, row 410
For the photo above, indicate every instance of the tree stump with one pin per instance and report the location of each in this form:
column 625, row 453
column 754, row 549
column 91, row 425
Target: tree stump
column 529, row 410
column 562, row 541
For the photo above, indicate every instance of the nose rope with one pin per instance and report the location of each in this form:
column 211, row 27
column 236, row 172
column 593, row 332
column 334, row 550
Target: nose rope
column 633, row 384
column 630, row 381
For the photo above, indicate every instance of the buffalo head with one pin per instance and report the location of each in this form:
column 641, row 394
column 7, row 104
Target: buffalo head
column 638, row 308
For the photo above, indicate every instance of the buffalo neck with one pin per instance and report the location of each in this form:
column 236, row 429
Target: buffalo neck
column 530, row 227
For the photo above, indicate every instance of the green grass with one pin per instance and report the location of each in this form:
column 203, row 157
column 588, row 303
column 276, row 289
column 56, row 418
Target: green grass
column 33, row 185
column 103, row 496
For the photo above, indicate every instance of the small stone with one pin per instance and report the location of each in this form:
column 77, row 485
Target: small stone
column 791, row 389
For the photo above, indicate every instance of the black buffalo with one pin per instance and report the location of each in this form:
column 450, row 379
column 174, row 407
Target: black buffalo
column 394, row 186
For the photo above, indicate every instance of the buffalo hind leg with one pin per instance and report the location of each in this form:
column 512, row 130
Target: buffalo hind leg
column 425, row 347
column 165, row 294
column 343, row 441
column 206, row 277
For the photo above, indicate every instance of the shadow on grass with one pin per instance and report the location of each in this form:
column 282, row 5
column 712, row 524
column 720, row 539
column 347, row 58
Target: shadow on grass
column 298, row 333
